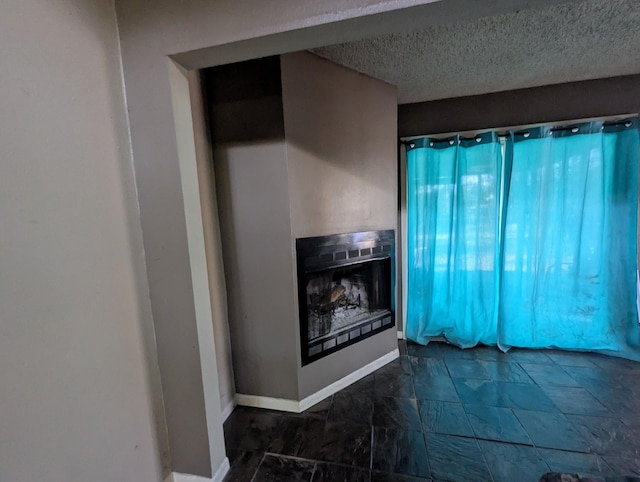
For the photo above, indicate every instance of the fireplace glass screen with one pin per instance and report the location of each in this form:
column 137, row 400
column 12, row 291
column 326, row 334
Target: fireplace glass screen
column 345, row 291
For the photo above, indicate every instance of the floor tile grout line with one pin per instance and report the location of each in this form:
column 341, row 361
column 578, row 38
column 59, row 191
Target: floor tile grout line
column 292, row 457
column 313, row 472
column 258, row 466
column 371, row 444
column 563, row 369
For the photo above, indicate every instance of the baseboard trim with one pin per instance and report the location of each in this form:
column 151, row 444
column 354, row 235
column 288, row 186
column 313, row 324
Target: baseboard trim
column 178, row 477
column 285, row 405
column 222, row 471
column 228, row 409
column 217, row 477
column 256, row 401
column 344, row 382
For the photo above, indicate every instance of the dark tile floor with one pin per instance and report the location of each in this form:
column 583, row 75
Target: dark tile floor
column 444, row 414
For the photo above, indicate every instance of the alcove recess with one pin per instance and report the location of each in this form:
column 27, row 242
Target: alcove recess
column 302, row 147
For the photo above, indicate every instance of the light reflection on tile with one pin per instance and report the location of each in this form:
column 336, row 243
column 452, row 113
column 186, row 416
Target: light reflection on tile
column 439, row 413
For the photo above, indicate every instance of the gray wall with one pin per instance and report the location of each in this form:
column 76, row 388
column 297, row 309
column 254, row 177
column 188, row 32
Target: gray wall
column 247, row 130
column 309, row 155
column 168, row 192
column 552, row 103
column 256, row 233
column 341, row 129
column 341, row 140
column 213, row 244
column 77, row 366
column 66, row 167
column 200, row 34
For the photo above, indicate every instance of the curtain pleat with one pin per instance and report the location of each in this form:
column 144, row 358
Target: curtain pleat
column 528, row 243
column 453, row 230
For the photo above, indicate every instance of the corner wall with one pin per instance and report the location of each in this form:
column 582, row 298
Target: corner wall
column 341, row 138
column 149, row 35
column 247, row 130
column 80, row 398
column 302, row 147
column 213, row 245
column 196, row 35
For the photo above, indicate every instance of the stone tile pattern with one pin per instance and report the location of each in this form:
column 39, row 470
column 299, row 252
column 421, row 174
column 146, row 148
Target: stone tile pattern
column 439, row 413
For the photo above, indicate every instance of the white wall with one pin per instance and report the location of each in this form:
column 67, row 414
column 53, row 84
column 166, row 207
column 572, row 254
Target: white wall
column 76, row 339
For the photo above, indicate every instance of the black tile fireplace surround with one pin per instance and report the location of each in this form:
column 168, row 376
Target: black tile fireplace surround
column 345, row 291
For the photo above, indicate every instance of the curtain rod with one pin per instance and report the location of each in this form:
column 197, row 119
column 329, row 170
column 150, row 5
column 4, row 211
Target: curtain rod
column 573, row 127
column 503, row 131
column 626, row 123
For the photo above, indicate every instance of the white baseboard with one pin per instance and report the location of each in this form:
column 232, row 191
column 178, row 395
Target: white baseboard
column 295, row 406
column 222, row 471
column 178, row 477
column 217, row 477
column 226, row 411
column 256, row 401
column 344, row 382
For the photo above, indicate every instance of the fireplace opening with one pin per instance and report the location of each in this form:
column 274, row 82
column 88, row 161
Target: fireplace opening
column 345, row 290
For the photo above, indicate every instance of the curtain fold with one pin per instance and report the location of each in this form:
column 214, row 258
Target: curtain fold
column 453, row 201
column 529, row 244
column 569, row 248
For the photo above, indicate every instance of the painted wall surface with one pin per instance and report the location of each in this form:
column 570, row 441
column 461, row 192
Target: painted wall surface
column 201, row 34
column 341, row 138
column 149, row 33
column 191, row 25
column 77, row 365
column 550, row 103
column 321, row 373
column 213, row 244
column 256, row 230
column 303, row 147
column 341, row 131
column 247, row 131
column 194, row 418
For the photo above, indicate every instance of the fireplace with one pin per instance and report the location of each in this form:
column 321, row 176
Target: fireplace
column 344, row 290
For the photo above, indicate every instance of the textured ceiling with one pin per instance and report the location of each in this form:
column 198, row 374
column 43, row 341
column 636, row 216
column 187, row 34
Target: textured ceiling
column 564, row 43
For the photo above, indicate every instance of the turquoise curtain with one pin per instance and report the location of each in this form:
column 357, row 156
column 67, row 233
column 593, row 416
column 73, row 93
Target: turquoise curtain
column 569, row 273
column 453, row 203
column 528, row 243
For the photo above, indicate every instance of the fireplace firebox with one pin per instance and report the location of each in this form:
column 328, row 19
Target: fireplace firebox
column 344, row 290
